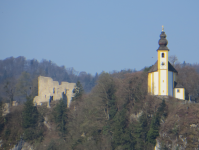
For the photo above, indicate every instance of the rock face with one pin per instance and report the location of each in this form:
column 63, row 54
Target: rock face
column 46, row 123
column 136, row 116
column 27, row 146
column 49, row 90
column 157, row 146
column 22, row 145
column 6, row 109
column 14, row 103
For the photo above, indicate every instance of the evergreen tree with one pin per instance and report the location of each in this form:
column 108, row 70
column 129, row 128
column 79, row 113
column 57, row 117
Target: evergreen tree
column 78, row 90
column 140, row 131
column 155, row 123
column 30, row 119
column 29, row 114
column 122, row 134
column 60, row 117
column 153, row 131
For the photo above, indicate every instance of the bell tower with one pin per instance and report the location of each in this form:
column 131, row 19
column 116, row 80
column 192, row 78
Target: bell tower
column 163, row 64
column 162, row 75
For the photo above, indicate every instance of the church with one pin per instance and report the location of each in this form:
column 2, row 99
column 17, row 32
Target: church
column 162, row 76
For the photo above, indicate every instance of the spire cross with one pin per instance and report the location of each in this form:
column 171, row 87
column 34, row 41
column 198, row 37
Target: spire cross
column 162, row 28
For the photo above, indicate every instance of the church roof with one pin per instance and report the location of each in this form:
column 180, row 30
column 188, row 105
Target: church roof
column 171, row 67
column 163, row 42
column 178, row 86
column 155, row 67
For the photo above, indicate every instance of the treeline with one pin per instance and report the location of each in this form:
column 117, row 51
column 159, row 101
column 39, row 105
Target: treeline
column 18, row 77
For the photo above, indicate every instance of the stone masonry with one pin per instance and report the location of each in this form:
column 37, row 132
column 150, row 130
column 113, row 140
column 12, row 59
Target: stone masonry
column 49, row 90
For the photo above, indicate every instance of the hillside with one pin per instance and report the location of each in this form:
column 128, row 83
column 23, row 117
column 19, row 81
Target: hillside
column 117, row 114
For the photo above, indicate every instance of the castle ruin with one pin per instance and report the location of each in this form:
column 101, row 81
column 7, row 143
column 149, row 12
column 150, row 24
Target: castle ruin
column 49, row 90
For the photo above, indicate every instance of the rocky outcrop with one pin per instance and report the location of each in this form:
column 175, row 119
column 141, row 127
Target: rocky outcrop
column 22, row 145
column 6, row 109
column 136, row 115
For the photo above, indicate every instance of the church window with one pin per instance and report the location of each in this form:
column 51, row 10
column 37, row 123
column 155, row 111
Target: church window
column 53, row 90
column 162, row 80
column 45, row 96
column 163, row 91
column 178, row 90
column 162, row 55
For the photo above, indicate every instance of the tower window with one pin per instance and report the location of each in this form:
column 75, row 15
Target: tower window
column 162, row 55
column 53, row 90
column 178, row 90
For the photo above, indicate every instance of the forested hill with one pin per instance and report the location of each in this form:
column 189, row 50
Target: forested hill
column 117, row 114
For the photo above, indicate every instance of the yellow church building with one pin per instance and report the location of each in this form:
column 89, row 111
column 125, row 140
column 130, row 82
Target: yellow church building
column 162, row 76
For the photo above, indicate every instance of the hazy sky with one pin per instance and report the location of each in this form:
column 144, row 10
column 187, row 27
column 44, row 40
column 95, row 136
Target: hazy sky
column 98, row 35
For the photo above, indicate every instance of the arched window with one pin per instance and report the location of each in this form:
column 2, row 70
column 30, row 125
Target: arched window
column 162, row 55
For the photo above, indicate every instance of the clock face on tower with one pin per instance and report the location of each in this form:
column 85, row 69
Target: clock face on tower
column 163, row 65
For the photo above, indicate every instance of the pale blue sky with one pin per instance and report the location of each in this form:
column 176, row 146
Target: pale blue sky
column 98, row 35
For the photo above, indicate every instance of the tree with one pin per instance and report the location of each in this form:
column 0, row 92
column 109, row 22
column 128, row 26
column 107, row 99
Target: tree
column 155, row 123
column 189, row 79
column 141, row 130
column 30, row 120
column 23, row 86
column 78, row 90
column 173, row 59
column 106, row 89
column 9, row 89
column 29, row 114
column 121, row 133
column 60, row 117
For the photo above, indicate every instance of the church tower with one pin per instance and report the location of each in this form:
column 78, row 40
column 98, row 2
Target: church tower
column 162, row 75
column 163, row 64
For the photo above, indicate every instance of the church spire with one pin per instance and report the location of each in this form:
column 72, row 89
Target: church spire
column 163, row 41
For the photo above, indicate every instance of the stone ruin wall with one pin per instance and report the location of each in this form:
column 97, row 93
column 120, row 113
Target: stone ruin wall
column 47, row 88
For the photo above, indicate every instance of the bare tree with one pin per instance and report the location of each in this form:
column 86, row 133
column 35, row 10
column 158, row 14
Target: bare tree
column 173, row 59
column 9, row 89
column 189, row 78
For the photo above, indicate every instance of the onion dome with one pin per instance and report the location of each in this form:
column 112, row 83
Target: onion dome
column 163, row 41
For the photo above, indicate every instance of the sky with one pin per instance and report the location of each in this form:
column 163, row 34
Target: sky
column 98, row 35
